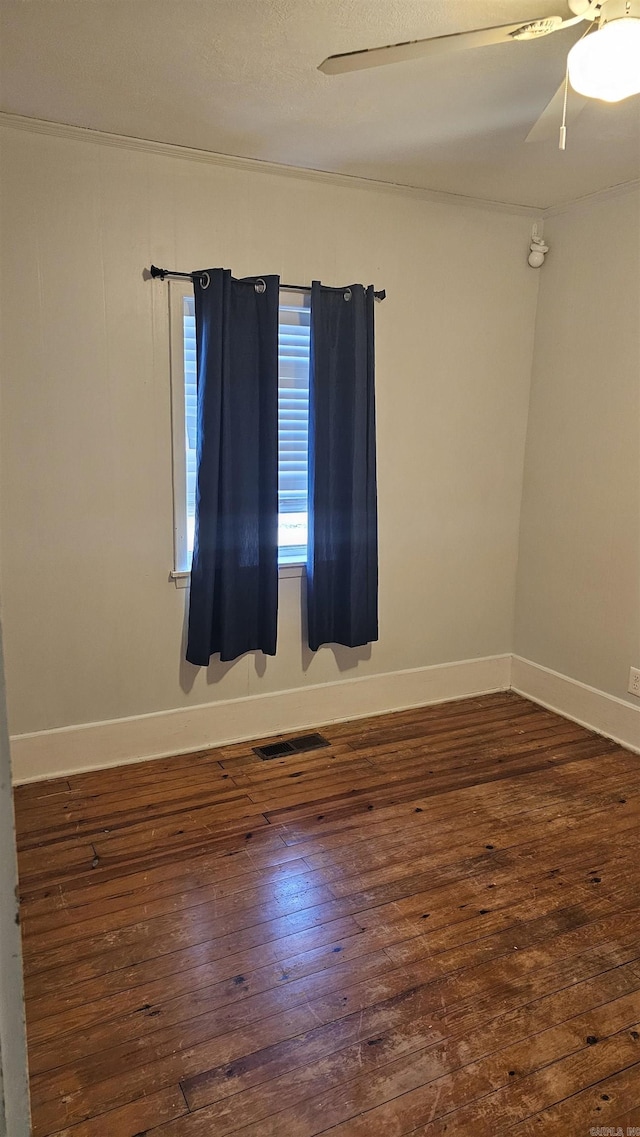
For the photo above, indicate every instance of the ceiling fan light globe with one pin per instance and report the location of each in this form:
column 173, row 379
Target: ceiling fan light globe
column 606, row 64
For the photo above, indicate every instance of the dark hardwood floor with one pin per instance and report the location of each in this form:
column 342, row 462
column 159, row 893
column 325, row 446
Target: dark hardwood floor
column 429, row 928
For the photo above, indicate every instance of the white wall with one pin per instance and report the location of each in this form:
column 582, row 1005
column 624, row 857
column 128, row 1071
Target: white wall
column 578, row 599
column 93, row 628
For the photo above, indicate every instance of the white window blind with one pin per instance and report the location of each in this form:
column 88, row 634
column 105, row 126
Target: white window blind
column 293, row 426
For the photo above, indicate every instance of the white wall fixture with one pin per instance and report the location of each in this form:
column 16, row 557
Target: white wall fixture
column 537, row 247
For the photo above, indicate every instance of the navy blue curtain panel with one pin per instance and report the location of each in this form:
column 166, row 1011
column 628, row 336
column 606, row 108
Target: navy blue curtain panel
column 342, row 566
column 234, row 575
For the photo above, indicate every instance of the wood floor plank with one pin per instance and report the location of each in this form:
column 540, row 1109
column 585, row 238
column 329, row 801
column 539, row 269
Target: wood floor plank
column 460, row 984
column 295, row 1049
column 182, row 1006
column 365, row 939
column 222, row 877
column 596, row 1108
column 306, row 889
column 425, row 1080
column 403, row 1034
column 502, row 1109
column 134, row 1119
column 229, row 1015
column 403, row 940
column 260, row 969
column 226, row 839
column 91, row 818
column 408, row 789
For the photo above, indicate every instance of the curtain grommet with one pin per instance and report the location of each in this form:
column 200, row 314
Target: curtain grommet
column 260, row 286
column 205, row 280
column 348, row 294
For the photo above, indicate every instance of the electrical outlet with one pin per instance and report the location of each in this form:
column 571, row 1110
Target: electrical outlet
column 634, row 681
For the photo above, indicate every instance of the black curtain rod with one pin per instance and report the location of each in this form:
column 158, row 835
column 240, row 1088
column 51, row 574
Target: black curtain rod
column 161, row 273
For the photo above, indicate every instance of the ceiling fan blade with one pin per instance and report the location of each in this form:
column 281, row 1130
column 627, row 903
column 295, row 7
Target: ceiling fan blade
column 439, row 45
column 548, row 125
column 417, row 49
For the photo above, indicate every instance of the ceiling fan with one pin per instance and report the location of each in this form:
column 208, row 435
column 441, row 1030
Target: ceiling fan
column 603, row 64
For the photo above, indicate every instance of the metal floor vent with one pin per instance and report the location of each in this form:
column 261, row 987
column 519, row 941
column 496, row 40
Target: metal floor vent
column 293, row 746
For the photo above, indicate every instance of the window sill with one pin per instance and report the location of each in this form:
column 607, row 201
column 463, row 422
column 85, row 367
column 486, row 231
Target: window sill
column 182, row 578
column 291, row 570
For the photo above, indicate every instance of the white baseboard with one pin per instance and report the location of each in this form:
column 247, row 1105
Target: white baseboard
column 93, row 746
column 99, row 745
column 603, row 713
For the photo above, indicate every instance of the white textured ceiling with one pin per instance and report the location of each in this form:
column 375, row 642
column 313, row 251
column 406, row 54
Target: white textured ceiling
column 240, row 77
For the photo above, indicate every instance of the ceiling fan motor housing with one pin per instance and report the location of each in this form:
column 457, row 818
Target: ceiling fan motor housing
column 618, row 9
column 605, row 10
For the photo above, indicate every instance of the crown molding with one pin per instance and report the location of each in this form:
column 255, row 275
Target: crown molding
column 186, row 153
column 620, row 190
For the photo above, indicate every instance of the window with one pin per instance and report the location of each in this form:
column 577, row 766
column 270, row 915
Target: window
column 293, row 423
column 293, row 426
